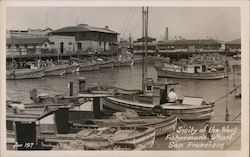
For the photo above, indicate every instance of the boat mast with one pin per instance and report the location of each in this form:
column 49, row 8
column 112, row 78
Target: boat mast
column 143, row 33
column 144, row 44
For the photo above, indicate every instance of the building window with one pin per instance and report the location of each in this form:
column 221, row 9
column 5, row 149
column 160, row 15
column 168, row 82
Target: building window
column 45, row 45
column 17, row 46
column 26, row 46
column 52, row 43
column 149, row 88
column 9, row 46
column 70, row 43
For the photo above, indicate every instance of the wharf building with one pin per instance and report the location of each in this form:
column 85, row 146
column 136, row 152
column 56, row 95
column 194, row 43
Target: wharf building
column 88, row 38
column 29, row 32
column 17, row 46
column 138, row 46
column 233, row 46
column 168, row 46
column 183, row 45
column 81, row 40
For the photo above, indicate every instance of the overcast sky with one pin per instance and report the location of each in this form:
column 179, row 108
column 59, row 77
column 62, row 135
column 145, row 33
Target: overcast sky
column 221, row 23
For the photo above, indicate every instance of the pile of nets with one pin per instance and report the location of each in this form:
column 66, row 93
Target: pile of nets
column 128, row 114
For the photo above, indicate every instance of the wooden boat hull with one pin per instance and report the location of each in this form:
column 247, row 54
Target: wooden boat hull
column 25, row 74
column 181, row 111
column 71, row 69
column 199, row 76
column 162, row 126
column 139, row 141
column 57, row 70
column 106, row 65
column 88, row 67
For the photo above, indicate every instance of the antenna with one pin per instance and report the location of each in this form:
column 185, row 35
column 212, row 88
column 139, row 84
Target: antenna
column 46, row 19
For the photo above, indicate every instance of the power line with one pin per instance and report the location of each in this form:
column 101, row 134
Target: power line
column 131, row 16
column 125, row 20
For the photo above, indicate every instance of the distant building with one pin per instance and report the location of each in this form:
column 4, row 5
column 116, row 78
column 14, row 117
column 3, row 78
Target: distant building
column 88, row 38
column 233, row 46
column 189, row 45
column 29, row 32
column 138, row 46
column 24, row 45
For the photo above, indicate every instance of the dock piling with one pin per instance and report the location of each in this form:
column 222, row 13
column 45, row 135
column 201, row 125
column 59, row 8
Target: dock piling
column 82, row 84
column 71, row 89
column 33, row 94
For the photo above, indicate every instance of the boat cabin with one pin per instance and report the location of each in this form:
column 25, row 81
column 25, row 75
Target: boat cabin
column 188, row 68
column 154, row 92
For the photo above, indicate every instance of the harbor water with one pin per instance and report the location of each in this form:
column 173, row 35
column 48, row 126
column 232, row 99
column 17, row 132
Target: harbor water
column 129, row 77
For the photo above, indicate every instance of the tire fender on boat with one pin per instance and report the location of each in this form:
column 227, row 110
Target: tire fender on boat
column 158, row 109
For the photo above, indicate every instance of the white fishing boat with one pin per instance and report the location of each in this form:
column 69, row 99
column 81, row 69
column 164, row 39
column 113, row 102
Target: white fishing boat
column 24, row 74
column 190, row 108
column 193, row 71
column 106, row 64
column 90, row 66
column 55, row 69
column 71, row 68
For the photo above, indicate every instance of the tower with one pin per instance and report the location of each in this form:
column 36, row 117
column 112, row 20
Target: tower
column 166, row 34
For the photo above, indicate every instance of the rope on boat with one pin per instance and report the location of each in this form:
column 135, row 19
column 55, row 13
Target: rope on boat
column 236, row 117
column 232, row 143
column 185, row 124
column 227, row 94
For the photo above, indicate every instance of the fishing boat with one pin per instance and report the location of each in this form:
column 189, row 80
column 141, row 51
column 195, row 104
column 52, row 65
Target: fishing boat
column 88, row 66
column 103, row 138
column 24, row 74
column 152, row 99
column 105, row 64
column 32, row 70
column 193, row 71
column 124, row 59
column 190, row 108
column 55, row 69
column 72, row 68
column 162, row 125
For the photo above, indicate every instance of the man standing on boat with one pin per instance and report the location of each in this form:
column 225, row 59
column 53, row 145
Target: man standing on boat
column 172, row 96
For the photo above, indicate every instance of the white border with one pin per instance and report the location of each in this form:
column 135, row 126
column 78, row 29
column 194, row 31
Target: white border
column 244, row 5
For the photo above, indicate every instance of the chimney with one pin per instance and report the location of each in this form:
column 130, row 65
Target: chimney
column 107, row 27
column 166, row 34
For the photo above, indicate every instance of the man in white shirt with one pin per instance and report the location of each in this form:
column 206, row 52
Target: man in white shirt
column 172, row 96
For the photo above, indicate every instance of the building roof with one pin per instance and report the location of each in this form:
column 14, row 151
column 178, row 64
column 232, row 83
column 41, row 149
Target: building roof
column 189, row 42
column 27, row 41
column 149, row 39
column 84, row 28
column 236, row 42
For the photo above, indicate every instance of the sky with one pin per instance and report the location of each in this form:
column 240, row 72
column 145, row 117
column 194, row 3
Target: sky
column 222, row 23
